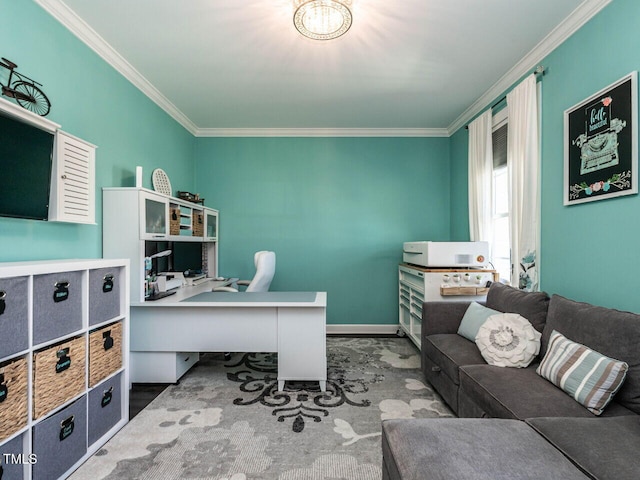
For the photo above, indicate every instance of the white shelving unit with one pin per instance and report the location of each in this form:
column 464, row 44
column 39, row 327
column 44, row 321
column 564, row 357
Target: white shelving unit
column 132, row 216
column 76, row 311
column 419, row 284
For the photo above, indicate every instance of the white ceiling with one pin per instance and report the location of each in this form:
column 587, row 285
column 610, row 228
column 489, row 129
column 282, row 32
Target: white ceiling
column 411, row 66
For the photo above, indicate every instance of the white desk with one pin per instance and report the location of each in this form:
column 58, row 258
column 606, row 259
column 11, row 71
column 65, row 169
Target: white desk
column 168, row 334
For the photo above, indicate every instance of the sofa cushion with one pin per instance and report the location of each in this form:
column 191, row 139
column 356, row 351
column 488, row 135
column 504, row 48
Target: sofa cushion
column 440, row 448
column 521, row 393
column 589, row 377
column 449, row 351
column 610, row 332
column 442, row 316
column 602, row 447
column 473, row 319
column 508, row 340
column 531, row 305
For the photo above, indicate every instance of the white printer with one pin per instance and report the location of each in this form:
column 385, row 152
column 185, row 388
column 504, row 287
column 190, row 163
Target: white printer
column 446, row 254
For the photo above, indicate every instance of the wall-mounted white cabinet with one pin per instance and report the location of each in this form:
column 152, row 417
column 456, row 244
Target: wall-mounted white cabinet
column 73, row 182
column 64, row 363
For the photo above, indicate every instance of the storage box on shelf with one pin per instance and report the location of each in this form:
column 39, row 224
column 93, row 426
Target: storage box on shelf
column 105, row 352
column 60, row 441
column 104, row 407
column 14, row 334
column 13, row 447
column 14, row 393
column 57, row 305
column 59, row 374
column 57, row 382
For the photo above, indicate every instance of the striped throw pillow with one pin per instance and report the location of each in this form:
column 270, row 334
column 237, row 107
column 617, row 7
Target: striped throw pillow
column 591, row 378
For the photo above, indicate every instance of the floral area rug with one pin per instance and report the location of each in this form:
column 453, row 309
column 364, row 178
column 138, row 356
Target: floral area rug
column 226, row 420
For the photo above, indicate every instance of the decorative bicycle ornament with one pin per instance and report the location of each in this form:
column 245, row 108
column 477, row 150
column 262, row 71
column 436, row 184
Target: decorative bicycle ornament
column 24, row 90
column 161, row 183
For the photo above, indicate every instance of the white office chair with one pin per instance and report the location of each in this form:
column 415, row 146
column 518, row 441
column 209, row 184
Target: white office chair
column 265, row 263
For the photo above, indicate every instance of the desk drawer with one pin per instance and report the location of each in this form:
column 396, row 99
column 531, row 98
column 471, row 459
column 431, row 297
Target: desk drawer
column 160, row 367
column 184, row 361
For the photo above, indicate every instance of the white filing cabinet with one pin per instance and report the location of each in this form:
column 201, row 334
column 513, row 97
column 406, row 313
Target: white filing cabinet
column 420, row 284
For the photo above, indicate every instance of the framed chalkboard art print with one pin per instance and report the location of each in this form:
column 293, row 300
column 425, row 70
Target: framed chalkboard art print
column 601, row 144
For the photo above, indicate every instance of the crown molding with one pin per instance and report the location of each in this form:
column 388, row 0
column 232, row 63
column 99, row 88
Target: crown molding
column 68, row 18
column 76, row 25
column 321, row 132
column 581, row 15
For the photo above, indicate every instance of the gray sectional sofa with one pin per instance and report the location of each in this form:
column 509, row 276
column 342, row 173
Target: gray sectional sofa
column 510, row 417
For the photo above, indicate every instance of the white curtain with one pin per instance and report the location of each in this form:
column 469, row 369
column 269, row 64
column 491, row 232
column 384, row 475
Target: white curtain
column 523, row 163
column 480, row 178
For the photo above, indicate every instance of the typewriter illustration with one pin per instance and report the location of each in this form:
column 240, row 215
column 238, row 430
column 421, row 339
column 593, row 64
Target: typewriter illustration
column 599, row 144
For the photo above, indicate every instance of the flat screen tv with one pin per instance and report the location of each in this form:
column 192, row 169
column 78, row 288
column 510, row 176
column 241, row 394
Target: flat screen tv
column 26, row 155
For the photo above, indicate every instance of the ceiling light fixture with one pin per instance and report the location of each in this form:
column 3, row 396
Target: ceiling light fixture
column 322, row 19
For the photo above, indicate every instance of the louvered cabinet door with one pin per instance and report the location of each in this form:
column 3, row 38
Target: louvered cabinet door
column 72, row 196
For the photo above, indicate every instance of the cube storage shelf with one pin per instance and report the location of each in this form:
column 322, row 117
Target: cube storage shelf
column 64, row 358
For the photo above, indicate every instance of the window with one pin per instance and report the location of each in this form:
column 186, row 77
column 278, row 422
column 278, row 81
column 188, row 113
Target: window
column 501, row 247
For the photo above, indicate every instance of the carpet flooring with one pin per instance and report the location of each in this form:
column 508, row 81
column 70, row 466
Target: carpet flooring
column 226, row 420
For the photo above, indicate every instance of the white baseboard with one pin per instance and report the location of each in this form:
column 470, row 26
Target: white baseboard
column 359, row 329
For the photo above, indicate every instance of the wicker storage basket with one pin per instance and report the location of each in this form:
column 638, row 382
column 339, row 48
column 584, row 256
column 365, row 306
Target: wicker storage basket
column 174, row 220
column 58, row 374
column 198, row 223
column 105, row 352
column 13, row 390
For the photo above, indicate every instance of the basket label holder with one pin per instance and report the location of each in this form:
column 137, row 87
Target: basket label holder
column 64, row 362
column 107, row 396
column 66, row 427
column 61, row 293
column 4, row 391
column 108, row 340
column 107, row 285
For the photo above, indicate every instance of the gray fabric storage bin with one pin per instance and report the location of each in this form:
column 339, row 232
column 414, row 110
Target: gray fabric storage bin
column 56, row 456
column 104, row 296
column 12, row 471
column 53, row 319
column 14, row 305
column 104, row 413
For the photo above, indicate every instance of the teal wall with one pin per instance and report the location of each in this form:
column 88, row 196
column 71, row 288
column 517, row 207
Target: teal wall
column 459, row 145
column 335, row 211
column 92, row 101
column 589, row 252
